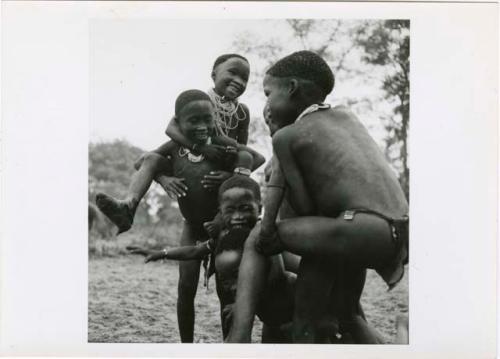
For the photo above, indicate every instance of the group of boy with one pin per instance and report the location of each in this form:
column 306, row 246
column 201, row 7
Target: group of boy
column 333, row 207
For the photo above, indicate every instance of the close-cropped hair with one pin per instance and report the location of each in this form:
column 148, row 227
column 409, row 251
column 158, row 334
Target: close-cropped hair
column 188, row 96
column 223, row 58
column 239, row 181
column 308, row 66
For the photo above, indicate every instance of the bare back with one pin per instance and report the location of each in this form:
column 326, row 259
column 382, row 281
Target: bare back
column 342, row 166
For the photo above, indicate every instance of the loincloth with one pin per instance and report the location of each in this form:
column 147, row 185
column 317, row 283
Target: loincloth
column 392, row 271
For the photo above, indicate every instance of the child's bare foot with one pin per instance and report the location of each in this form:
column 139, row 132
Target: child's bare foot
column 119, row 212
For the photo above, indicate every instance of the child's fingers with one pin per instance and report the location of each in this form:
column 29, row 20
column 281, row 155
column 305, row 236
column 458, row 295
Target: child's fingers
column 181, row 184
column 178, row 189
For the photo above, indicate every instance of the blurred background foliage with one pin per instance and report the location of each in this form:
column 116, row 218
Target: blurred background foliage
column 363, row 54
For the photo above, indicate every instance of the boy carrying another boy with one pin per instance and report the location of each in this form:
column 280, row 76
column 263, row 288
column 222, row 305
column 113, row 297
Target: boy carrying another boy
column 239, row 207
column 351, row 210
column 173, row 165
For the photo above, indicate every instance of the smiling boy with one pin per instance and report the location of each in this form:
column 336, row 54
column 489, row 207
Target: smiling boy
column 173, row 164
column 351, row 210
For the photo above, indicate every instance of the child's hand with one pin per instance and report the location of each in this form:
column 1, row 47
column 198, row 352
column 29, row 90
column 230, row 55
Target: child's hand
column 175, row 187
column 212, row 228
column 138, row 250
column 268, row 242
column 154, row 256
column 213, row 180
column 212, row 152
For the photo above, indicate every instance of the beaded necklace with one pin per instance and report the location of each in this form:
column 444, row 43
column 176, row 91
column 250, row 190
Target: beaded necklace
column 313, row 108
column 183, row 151
column 229, row 113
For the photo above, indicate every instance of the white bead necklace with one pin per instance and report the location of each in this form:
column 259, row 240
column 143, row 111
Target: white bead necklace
column 229, row 113
column 183, row 151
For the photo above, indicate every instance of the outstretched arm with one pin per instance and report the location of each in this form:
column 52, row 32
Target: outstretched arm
column 184, row 253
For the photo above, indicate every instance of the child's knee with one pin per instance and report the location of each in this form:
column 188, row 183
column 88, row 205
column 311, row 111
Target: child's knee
column 244, row 159
column 152, row 159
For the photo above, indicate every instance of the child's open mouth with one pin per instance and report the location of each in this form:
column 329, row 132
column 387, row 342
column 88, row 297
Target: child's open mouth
column 201, row 136
column 235, row 89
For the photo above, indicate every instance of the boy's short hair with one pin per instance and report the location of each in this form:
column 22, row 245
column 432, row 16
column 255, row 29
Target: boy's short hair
column 189, row 96
column 224, row 58
column 305, row 65
column 240, row 181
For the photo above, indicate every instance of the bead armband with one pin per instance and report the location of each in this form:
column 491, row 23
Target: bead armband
column 242, row 171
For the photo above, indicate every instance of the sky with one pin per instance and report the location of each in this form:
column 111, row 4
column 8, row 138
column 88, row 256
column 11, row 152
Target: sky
column 138, row 67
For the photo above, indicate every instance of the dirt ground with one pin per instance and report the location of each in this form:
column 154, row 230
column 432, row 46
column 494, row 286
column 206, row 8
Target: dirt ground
column 133, row 302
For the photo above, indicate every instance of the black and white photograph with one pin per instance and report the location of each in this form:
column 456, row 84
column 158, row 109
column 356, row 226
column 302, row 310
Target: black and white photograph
column 249, row 181
column 236, row 179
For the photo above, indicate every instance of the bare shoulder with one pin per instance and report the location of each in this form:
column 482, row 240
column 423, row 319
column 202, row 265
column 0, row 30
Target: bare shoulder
column 342, row 111
column 285, row 135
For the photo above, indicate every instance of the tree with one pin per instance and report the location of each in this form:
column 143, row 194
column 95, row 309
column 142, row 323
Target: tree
column 371, row 56
column 389, row 45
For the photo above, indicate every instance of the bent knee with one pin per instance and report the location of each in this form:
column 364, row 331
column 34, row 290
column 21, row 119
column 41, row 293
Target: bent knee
column 152, row 159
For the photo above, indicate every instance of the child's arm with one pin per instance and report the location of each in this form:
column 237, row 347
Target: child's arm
column 243, row 126
column 275, row 193
column 246, row 161
column 184, row 253
column 257, row 159
column 211, row 152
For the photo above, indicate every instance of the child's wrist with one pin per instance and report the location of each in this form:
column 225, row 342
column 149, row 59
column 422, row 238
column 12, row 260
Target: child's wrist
column 242, row 171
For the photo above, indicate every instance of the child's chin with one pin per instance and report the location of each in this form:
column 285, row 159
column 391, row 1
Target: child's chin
column 232, row 95
column 240, row 226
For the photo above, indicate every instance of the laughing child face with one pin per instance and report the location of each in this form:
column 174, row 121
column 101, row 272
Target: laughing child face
column 231, row 77
column 196, row 121
column 239, row 208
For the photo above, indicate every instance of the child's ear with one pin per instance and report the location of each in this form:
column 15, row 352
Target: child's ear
column 260, row 209
column 293, row 87
column 212, row 75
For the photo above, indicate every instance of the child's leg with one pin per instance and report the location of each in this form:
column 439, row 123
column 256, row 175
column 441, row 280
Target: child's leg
column 351, row 280
column 252, row 279
column 313, row 287
column 365, row 241
column 189, row 273
column 121, row 212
